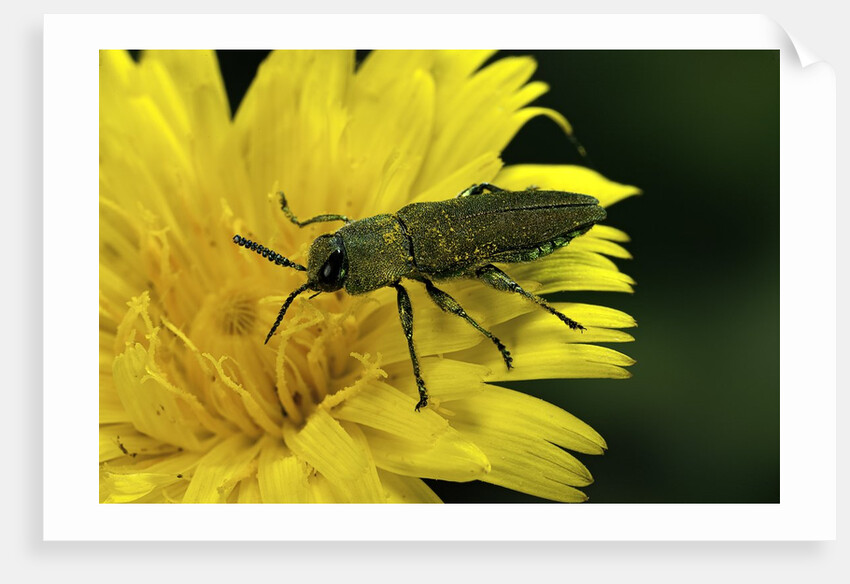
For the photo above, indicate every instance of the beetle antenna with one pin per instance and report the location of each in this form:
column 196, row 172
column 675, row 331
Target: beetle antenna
column 284, row 308
column 582, row 151
column 270, row 254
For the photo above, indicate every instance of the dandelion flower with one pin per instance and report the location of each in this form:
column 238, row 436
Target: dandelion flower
column 195, row 409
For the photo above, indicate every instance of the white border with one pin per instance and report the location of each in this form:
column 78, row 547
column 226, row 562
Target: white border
column 71, row 511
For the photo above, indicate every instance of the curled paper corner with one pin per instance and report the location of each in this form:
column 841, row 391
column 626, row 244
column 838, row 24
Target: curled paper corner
column 791, row 44
column 804, row 55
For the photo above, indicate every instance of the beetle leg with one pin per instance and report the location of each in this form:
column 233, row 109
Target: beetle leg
column 405, row 314
column 479, row 189
column 284, row 206
column 493, row 276
column 450, row 305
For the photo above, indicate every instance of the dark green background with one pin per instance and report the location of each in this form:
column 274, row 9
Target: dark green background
column 698, row 132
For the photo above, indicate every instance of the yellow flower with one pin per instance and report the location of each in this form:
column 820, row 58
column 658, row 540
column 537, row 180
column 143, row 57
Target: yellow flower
column 193, row 406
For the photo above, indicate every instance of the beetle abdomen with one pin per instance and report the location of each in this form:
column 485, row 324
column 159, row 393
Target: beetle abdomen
column 450, row 237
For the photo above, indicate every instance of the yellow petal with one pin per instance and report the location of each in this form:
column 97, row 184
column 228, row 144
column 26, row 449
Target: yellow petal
column 523, row 436
column 434, row 331
column 437, row 332
column 529, row 93
column 380, row 71
column 523, row 116
column 197, row 79
column 389, row 135
column 301, row 151
column 221, row 469
column 339, row 455
column 591, row 243
column 258, row 412
column 532, row 467
column 149, row 480
column 116, row 72
column 119, row 246
column 111, row 410
column 475, row 119
column 448, row 456
column 512, row 413
column 249, row 491
column 609, row 233
column 283, row 478
column 383, row 407
column 568, row 270
column 118, row 440
column 570, row 178
column 453, row 67
column 540, row 358
column 482, row 168
column 155, row 407
column 522, row 333
column 156, row 82
column 601, row 323
column 132, row 135
column 447, row 379
column 114, row 291
column 323, row 491
column 406, row 489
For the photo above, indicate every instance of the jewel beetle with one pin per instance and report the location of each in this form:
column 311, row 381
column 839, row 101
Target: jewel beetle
column 457, row 238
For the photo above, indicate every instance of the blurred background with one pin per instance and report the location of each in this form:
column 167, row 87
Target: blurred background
column 698, row 132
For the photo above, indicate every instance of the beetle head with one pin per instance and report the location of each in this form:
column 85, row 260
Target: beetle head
column 327, row 266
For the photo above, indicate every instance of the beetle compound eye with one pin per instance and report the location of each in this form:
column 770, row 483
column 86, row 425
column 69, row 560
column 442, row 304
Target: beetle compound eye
column 330, row 273
column 328, row 266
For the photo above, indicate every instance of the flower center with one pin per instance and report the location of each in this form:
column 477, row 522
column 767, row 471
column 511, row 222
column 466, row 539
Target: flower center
column 238, row 315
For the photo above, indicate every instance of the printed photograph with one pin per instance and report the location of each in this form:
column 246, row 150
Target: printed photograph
column 381, row 276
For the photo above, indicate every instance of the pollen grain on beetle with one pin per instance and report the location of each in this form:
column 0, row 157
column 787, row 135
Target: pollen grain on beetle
column 194, row 407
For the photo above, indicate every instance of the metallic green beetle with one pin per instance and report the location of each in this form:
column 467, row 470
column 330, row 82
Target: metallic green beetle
column 461, row 237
